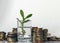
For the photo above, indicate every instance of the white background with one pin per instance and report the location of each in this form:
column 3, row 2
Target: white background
column 46, row 14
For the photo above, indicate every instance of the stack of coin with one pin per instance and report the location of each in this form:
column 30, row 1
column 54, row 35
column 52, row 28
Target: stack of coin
column 11, row 37
column 39, row 36
column 45, row 33
column 14, row 30
column 2, row 35
column 33, row 34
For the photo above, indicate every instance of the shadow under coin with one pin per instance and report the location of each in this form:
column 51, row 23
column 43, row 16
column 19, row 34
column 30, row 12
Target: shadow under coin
column 11, row 42
column 2, row 41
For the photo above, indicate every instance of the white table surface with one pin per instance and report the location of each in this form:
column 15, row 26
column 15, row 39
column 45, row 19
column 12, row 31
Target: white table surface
column 13, row 42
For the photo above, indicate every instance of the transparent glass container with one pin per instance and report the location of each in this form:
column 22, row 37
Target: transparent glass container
column 27, row 28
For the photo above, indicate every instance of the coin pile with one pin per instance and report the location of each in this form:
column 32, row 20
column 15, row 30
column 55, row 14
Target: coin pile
column 37, row 35
column 2, row 36
column 11, row 37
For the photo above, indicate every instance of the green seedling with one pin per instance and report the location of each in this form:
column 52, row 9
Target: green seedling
column 24, row 20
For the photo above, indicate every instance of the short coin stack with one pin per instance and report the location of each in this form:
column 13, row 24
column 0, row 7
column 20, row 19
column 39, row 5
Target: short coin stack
column 2, row 36
column 12, row 36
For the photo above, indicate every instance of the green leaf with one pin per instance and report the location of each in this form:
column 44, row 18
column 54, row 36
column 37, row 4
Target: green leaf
column 22, row 13
column 28, row 16
column 26, row 21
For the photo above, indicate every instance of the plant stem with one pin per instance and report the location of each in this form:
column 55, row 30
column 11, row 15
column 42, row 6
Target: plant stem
column 23, row 27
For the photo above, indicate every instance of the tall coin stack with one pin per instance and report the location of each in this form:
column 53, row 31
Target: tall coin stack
column 33, row 33
column 15, row 32
column 45, row 32
column 39, row 35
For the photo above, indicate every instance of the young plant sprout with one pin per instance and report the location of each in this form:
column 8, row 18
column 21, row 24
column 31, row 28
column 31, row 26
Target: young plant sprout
column 24, row 20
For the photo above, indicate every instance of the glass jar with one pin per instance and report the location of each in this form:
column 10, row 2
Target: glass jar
column 27, row 27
